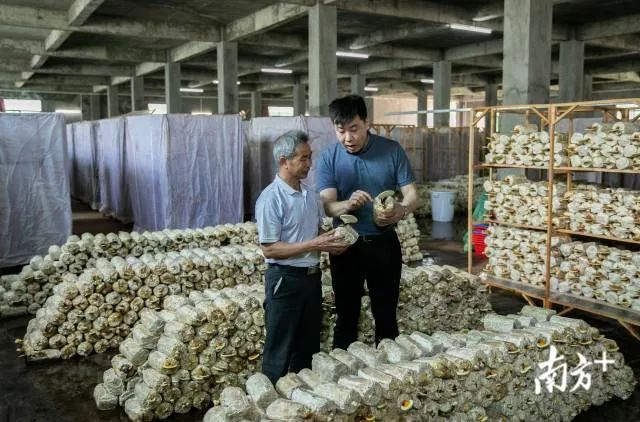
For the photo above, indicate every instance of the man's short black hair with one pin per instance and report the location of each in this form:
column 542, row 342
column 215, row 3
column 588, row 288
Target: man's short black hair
column 345, row 109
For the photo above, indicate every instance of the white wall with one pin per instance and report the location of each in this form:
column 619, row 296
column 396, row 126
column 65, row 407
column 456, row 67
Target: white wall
column 397, row 103
column 393, row 103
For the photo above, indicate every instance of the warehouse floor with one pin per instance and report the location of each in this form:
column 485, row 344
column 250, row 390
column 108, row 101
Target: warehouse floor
column 62, row 391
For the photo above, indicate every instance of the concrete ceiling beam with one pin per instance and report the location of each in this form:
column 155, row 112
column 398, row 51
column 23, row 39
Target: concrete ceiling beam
column 496, row 10
column 55, row 39
column 86, row 69
column 625, row 42
column 402, row 32
column 48, row 79
column 612, row 67
column 621, row 77
column 263, row 20
column 411, row 9
column 609, row 27
column 31, row 17
column 384, row 65
column 247, row 26
column 275, row 40
column 148, row 67
column 80, row 11
column 615, row 86
column 53, row 89
column 105, row 53
column 189, row 50
column 478, row 49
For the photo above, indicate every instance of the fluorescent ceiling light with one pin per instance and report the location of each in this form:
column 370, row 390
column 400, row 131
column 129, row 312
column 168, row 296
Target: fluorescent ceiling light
column 68, row 111
column 427, row 81
column 626, row 105
column 486, row 17
column 275, row 70
column 352, row 55
column 198, row 90
column 371, row 88
column 470, row 28
column 200, row 113
column 215, row 81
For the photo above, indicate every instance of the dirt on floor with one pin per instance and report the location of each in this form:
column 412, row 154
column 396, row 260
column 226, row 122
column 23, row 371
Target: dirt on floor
column 63, row 390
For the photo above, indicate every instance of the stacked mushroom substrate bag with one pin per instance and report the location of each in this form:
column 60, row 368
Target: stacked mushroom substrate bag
column 526, row 147
column 406, row 229
column 520, row 201
column 519, row 255
column 182, row 357
column 612, row 212
column 26, row 292
column 431, row 298
column 607, row 146
column 599, row 272
column 96, row 310
column 478, row 375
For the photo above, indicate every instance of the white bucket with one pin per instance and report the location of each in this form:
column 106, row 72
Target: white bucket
column 442, row 205
column 442, row 231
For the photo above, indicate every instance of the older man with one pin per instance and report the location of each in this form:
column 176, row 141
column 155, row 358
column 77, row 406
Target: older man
column 350, row 174
column 289, row 216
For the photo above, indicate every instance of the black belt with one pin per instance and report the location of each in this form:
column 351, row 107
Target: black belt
column 374, row 237
column 301, row 270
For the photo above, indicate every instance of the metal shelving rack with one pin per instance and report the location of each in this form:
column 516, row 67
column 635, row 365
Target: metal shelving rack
column 548, row 116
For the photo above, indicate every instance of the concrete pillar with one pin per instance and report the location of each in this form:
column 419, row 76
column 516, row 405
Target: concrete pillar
column 172, row 88
column 113, row 109
column 491, row 93
column 137, row 94
column 571, row 71
column 256, row 104
column 587, row 87
column 95, row 114
column 227, row 77
column 358, row 83
column 368, row 101
column 441, row 91
column 422, row 106
column 299, row 98
column 527, row 55
column 490, row 99
column 323, row 64
column 48, row 106
column 85, row 106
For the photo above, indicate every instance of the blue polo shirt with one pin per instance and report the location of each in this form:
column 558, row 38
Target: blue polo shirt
column 287, row 215
column 381, row 165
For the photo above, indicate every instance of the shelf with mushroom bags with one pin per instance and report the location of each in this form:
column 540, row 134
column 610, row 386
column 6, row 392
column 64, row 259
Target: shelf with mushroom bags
column 518, row 226
column 610, row 146
column 514, row 286
column 512, row 166
column 596, row 236
column 594, row 170
column 516, row 260
column 623, row 315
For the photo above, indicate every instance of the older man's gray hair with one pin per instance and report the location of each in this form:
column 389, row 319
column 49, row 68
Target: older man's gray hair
column 285, row 146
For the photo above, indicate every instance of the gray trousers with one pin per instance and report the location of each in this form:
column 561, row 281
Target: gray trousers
column 293, row 317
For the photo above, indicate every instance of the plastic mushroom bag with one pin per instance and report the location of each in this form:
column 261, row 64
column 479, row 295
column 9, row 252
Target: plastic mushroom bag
column 484, row 374
column 345, row 231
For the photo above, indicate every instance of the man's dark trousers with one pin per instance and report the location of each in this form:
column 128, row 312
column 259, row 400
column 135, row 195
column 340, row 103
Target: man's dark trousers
column 293, row 318
column 378, row 259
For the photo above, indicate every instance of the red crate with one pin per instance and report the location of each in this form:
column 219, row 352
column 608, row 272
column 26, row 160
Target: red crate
column 478, row 239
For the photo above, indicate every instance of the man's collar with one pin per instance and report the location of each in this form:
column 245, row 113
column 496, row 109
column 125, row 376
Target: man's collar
column 366, row 146
column 289, row 189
